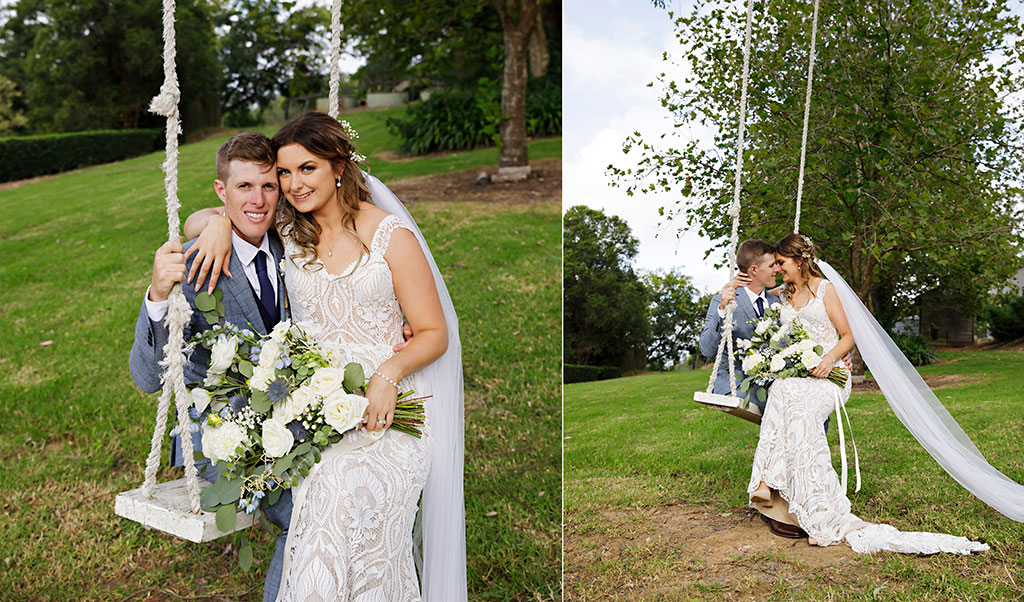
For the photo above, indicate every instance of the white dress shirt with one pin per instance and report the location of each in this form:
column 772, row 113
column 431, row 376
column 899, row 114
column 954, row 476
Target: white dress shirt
column 246, row 252
column 753, row 300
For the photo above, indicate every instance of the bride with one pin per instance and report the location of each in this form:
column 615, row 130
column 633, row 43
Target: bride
column 792, row 479
column 354, row 264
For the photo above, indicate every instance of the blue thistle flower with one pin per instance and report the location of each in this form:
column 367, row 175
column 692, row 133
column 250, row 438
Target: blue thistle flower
column 237, row 403
column 278, row 390
column 298, row 431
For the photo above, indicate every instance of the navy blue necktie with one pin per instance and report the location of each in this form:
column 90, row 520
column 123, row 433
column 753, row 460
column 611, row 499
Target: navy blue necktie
column 760, row 305
column 266, row 290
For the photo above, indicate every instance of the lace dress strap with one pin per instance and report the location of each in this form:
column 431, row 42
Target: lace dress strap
column 382, row 236
column 820, row 293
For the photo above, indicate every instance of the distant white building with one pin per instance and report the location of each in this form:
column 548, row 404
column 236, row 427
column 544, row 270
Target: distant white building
column 1018, row 282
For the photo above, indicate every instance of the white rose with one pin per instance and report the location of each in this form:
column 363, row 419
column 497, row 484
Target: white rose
column 751, row 361
column 261, row 377
column 762, row 326
column 306, row 327
column 776, row 307
column 282, row 411
column 344, row 411
column 277, row 439
column 810, row 359
column 299, row 400
column 200, row 399
column 780, row 333
column 222, row 354
column 269, row 353
column 326, row 381
column 778, row 363
column 221, row 442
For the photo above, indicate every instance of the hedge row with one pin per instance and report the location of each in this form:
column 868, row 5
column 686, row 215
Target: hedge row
column 31, row 156
column 574, row 373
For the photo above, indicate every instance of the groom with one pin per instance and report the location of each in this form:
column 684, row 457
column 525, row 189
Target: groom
column 756, row 258
column 254, row 297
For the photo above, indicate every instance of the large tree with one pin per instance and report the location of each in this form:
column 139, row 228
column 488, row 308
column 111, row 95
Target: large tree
column 95, row 64
column 677, row 312
column 604, row 301
column 270, row 48
column 463, row 43
column 914, row 146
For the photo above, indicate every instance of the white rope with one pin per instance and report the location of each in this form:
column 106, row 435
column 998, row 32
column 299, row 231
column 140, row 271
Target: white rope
column 178, row 313
column 734, row 211
column 807, row 116
column 332, row 109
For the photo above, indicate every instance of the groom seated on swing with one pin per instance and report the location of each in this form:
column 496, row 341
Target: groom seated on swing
column 756, row 259
column 254, row 298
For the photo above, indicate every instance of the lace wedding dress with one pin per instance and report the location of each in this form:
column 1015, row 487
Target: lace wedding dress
column 793, row 457
column 352, row 520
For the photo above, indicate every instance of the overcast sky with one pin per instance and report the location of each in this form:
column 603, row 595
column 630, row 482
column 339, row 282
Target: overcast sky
column 611, row 50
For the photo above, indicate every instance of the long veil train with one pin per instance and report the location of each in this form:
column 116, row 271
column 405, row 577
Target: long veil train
column 921, row 412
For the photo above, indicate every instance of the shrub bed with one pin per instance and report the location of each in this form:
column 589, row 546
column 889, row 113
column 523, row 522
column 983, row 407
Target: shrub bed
column 1006, row 318
column 574, row 373
column 463, row 119
column 30, row 156
column 915, row 348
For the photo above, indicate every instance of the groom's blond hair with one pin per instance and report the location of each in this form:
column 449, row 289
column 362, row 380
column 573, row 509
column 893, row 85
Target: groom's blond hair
column 251, row 147
column 751, row 251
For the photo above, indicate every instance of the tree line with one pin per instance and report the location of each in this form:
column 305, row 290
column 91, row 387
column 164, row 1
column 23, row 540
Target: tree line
column 96, row 64
column 614, row 315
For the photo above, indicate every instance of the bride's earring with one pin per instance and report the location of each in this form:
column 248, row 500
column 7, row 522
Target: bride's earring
column 337, row 182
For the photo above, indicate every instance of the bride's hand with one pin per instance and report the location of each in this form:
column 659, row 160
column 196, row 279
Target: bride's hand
column 212, row 250
column 825, row 367
column 383, row 396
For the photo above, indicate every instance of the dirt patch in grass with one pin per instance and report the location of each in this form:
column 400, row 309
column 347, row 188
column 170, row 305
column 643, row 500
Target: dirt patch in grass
column 934, row 381
column 544, row 184
column 678, row 548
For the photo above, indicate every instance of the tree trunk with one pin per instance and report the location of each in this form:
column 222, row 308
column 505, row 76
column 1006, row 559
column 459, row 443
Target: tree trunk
column 518, row 19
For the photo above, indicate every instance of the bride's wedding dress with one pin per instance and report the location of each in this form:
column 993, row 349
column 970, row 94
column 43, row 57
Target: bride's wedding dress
column 793, row 457
column 352, row 522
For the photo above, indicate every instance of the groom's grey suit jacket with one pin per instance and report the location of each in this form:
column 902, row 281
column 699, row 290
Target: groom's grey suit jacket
column 239, row 308
column 711, row 337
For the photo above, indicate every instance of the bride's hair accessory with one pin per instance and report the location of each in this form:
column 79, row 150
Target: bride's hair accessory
column 810, row 247
column 393, row 383
column 352, row 136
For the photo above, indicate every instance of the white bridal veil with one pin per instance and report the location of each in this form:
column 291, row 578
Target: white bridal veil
column 441, row 537
column 921, row 412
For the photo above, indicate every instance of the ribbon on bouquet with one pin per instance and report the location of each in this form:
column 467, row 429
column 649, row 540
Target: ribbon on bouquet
column 841, row 409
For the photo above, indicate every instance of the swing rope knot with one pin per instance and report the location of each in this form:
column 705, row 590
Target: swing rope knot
column 165, row 103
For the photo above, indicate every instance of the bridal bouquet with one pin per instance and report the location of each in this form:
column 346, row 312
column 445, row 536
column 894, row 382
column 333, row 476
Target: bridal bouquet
column 780, row 349
column 269, row 406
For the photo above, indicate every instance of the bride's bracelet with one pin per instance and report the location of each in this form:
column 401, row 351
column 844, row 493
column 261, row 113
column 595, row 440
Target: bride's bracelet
column 393, row 383
column 829, row 354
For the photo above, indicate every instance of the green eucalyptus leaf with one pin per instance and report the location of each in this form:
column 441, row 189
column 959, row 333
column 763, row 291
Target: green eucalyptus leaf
column 205, row 302
column 260, row 401
column 245, row 556
column 282, row 464
column 218, row 294
column 302, row 448
column 198, row 456
column 273, row 495
column 232, row 491
column 245, row 368
column 212, row 317
column 762, row 394
column 209, row 500
column 354, row 377
column 226, row 517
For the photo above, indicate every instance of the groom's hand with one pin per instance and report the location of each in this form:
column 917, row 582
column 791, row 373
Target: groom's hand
column 168, row 269
column 406, row 335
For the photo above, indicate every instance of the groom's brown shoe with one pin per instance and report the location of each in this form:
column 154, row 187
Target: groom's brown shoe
column 782, row 529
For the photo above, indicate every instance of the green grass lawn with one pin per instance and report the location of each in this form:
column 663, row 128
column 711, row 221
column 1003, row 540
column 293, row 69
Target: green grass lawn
column 639, row 443
column 77, row 256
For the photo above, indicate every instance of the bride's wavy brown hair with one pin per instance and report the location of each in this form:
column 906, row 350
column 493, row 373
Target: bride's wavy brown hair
column 324, row 137
column 795, row 246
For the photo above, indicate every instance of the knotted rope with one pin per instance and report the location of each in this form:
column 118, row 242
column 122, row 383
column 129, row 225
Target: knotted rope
column 332, row 108
column 734, row 211
column 178, row 310
column 807, row 116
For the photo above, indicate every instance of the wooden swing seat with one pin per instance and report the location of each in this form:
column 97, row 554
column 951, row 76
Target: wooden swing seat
column 169, row 510
column 729, row 404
